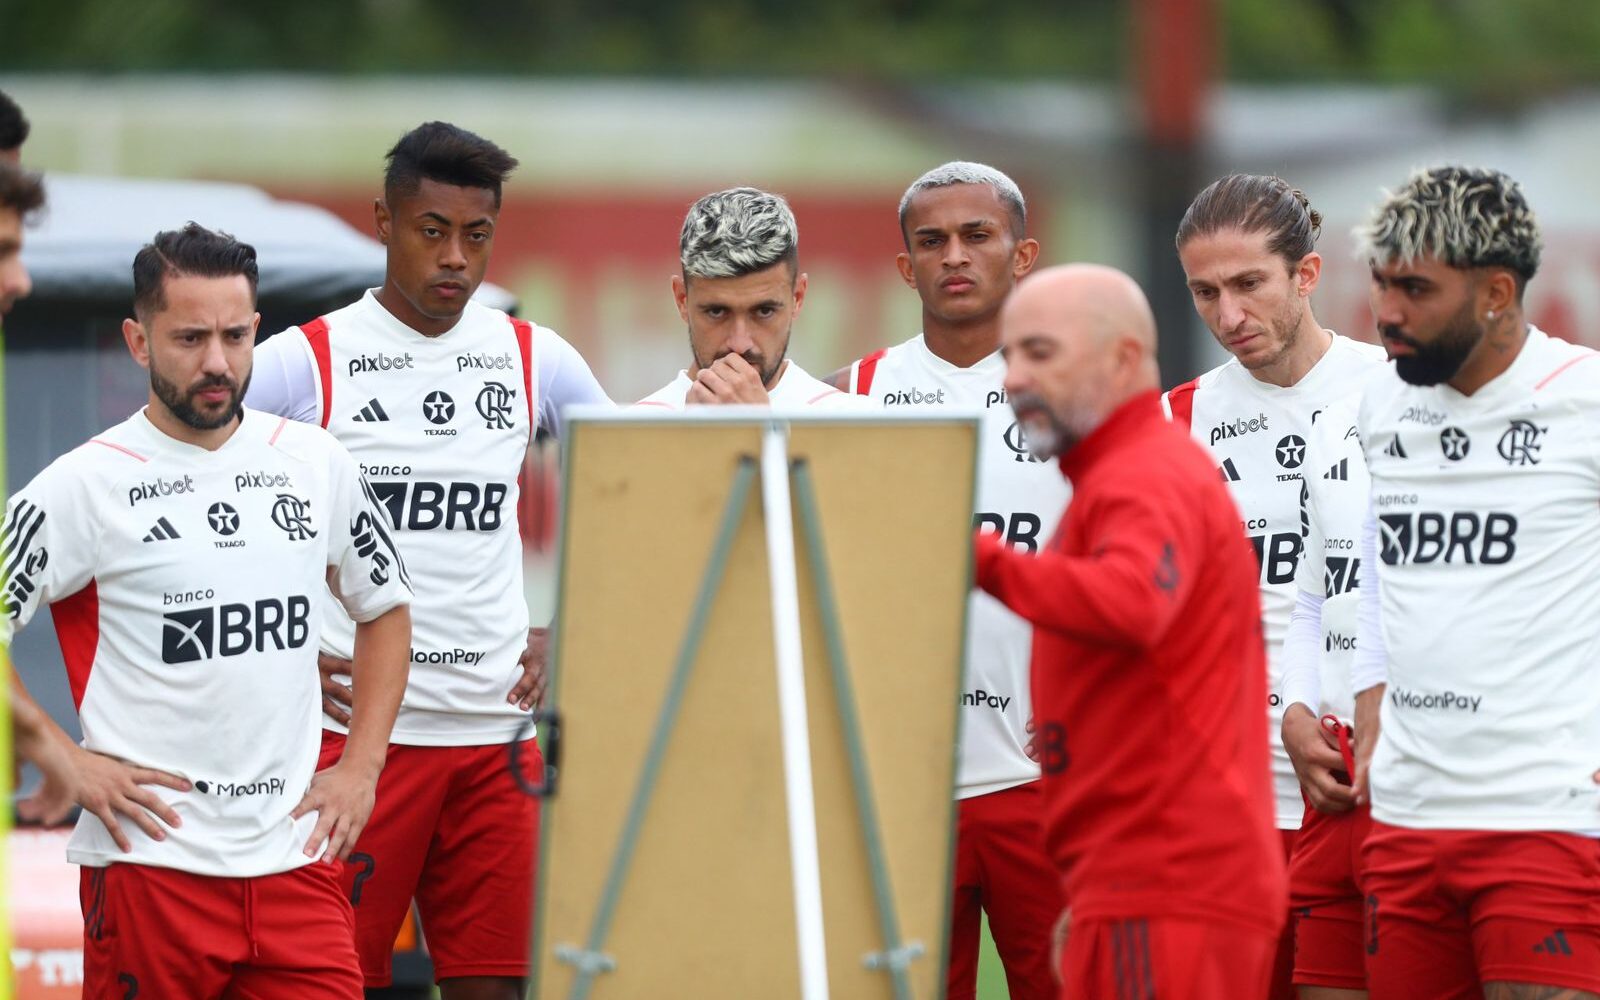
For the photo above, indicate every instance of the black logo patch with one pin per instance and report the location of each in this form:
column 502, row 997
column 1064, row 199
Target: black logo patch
column 1291, row 451
column 1455, row 444
column 224, row 520
column 494, row 405
column 438, row 407
column 1520, row 444
column 293, row 515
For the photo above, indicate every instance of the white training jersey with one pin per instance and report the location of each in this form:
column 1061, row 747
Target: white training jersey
column 1258, row 433
column 1335, row 506
column 795, row 388
column 1488, row 516
column 186, row 586
column 1019, row 498
column 441, row 426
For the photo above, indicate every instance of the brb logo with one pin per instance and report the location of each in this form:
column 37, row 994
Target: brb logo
column 1020, row 530
column 494, row 405
column 425, row 506
column 1278, row 553
column 234, row 629
column 1421, row 537
column 362, row 364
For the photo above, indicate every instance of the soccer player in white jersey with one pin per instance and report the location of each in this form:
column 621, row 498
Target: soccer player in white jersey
column 739, row 293
column 965, row 231
column 1248, row 248
column 1326, row 899
column 1483, row 866
column 439, row 398
column 186, row 556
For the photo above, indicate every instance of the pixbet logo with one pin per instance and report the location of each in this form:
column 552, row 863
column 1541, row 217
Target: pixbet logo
column 914, row 397
column 235, row 629
column 994, row 398
column 485, row 362
column 159, row 487
column 361, row 363
column 1238, row 428
column 261, row 481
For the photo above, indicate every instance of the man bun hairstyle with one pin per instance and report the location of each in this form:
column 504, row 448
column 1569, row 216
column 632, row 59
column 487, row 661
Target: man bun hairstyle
column 1466, row 217
column 193, row 250
column 732, row 233
column 1255, row 203
column 446, row 154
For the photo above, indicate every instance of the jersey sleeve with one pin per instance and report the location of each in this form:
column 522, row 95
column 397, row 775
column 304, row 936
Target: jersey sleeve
column 282, row 379
column 1128, row 590
column 1370, row 667
column 366, row 572
column 565, row 379
column 48, row 547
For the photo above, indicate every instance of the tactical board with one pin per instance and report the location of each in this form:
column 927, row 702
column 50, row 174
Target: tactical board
column 706, row 904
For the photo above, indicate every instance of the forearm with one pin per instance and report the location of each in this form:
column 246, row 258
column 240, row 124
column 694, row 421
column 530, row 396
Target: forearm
column 1107, row 599
column 1302, row 653
column 32, row 726
column 378, row 677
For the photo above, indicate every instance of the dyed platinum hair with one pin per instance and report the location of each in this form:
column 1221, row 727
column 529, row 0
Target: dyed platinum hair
column 737, row 232
column 964, row 172
column 1465, row 217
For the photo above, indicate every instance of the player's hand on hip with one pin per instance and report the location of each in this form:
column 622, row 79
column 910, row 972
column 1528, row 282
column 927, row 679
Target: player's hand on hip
column 1031, row 748
column 342, row 797
column 1314, row 760
column 54, row 798
column 1058, row 943
column 529, row 690
column 1367, row 732
column 108, row 788
column 337, row 698
column 730, row 379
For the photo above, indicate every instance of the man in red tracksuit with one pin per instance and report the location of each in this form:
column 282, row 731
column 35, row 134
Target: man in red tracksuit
column 1148, row 663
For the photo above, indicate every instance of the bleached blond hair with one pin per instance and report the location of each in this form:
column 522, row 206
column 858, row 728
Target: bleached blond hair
column 1466, row 217
column 728, row 234
column 966, row 172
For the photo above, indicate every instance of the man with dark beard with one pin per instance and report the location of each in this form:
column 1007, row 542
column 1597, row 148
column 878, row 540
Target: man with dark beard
column 739, row 293
column 1148, row 672
column 1478, row 642
column 184, row 555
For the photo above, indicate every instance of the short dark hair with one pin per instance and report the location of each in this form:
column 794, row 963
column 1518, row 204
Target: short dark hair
column 1253, row 203
column 20, row 191
column 193, row 250
column 439, row 151
column 13, row 124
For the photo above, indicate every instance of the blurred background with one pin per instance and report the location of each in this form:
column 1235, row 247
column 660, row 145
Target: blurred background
column 1111, row 115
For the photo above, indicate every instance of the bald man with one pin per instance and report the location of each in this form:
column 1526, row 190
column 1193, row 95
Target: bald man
column 1148, row 663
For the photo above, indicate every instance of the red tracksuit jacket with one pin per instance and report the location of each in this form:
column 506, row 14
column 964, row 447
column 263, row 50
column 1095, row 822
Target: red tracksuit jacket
column 1149, row 683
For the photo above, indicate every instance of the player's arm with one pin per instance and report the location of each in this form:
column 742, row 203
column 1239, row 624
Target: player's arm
column 368, row 577
column 1313, row 749
column 1369, row 671
column 283, row 379
column 1127, row 590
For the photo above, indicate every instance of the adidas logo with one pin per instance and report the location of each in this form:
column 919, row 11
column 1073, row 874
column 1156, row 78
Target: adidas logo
column 1227, row 471
column 1555, row 944
column 372, row 413
column 1340, row 471
column 1396, row 449
column 162, row 531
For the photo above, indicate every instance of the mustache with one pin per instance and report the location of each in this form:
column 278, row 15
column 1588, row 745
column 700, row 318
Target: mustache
column 1394, row 333
column 753, row 358
column 1027, row 402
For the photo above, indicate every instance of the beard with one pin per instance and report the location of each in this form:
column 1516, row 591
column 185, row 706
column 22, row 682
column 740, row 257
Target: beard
column 1440, row 359
column 1284, row 329
column 768, row 370
column 180, row 402
column 1049, row 433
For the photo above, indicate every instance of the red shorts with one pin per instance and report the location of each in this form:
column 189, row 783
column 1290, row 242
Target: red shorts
column 158, row 932
column 451, row 829
column 1001, row 869
column 1165, row 958
column 1448, row 910
column 1326, row 901
column 1282, row 981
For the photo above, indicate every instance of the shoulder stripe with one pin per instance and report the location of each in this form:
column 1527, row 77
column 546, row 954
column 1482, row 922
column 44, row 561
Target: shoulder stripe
column 117, row 447
column 282, row 422
column 316, row 334
column 77, row 621
column 862, row 371
column 824, row 395
column 17, row 534
column 524, row 332
column 1180, row 403
column 653, row 402
column 1562, row 370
